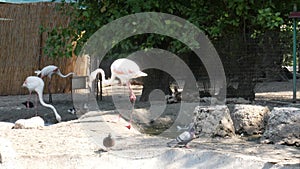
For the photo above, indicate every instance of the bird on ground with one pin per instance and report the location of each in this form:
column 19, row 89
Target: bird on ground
column 72, row 110
column 184, row 138
column 28, row 104
column 108, row 141
column 34, row 83
column 124, row 69
column 49, row 71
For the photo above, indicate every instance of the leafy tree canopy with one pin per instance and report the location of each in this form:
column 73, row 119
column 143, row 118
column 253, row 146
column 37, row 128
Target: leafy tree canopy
column 215, row 18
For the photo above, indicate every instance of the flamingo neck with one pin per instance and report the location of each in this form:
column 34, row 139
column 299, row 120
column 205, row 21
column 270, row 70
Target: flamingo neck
column 63, row 76
column 102, row 75
column 58, row 118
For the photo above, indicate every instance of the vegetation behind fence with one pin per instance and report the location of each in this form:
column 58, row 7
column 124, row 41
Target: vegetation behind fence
column 243, row 57
column 21, row 43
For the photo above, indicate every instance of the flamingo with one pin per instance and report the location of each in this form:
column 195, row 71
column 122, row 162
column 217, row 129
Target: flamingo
column 49, row 71
column 34, row 83
column 124, row 69
column 105, row 82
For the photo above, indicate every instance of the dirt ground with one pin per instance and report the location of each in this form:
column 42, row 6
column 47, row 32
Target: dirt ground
column 77, row 143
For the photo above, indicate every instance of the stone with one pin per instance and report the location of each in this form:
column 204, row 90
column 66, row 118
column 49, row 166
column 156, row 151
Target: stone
column 249, row 119
column 213, row 121
column 31, row 123
column 237, row 100
column 283, row 127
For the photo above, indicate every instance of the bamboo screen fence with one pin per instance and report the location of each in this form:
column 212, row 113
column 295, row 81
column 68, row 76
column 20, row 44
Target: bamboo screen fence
column 20, row 46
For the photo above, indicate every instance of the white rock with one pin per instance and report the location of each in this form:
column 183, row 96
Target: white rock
column 32, row 123
column 213, row 121
column 249, row 119
column 283, row 126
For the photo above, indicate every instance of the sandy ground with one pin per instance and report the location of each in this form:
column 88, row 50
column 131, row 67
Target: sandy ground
column 77, row 143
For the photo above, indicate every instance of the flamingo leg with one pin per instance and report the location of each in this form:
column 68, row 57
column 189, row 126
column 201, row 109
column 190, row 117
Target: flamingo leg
column 35, row 106
column 132, row 99
column 129, row 124
column 28, row 99
column 49, row 91
column 132, row 96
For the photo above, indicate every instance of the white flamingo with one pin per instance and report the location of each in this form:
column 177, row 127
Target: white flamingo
column 105, row 82
column 49, row 71
column 34, row 83
column 124, row 69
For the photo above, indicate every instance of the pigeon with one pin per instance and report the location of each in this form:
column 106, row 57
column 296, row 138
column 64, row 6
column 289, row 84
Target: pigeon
column 184, row 138
column 28, row 104
column 108, row 141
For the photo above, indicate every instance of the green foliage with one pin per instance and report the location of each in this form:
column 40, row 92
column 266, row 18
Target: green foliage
column 215, row 18
column 61, row 40
column 269, row 19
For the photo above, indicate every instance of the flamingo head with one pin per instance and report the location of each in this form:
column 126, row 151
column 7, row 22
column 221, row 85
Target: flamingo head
column 38, row 73
column 24, row 84
column 140, row 74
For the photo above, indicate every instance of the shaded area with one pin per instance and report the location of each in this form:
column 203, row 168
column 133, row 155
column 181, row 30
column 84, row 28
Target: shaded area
column 12, row 109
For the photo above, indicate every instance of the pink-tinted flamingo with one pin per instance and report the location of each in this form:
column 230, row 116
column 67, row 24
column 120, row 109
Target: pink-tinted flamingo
column 49, row 71
column 124, row 69
column 34, row 83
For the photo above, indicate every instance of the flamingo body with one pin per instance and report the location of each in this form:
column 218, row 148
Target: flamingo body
column 124, row 69
column 34, row 83
column 49, row 71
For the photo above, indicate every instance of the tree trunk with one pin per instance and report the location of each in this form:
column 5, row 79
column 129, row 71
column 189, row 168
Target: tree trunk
column 272, row 57
column 156, row 79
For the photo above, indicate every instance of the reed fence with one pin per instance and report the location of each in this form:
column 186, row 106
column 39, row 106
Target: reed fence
column 20, row 46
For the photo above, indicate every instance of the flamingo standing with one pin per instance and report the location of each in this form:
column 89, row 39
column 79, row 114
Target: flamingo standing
column 33, row 83
column 49, row 71
column 124, row 69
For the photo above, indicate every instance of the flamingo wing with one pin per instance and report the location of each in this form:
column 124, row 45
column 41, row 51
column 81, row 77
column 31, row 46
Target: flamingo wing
column 33, row 82
column 49, row 70
column 126, row 69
